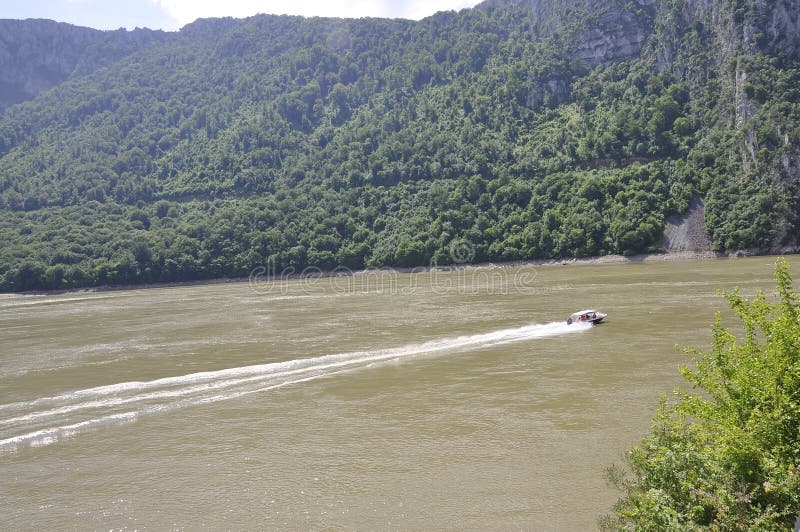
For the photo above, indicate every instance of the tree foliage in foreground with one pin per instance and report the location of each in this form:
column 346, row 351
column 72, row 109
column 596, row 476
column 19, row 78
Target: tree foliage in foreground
column 726, row 457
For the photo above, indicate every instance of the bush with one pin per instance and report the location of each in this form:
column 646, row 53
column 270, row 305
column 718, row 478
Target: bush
column 727, row 457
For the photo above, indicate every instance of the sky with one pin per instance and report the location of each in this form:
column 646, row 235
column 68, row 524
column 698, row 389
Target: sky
column 171, row 15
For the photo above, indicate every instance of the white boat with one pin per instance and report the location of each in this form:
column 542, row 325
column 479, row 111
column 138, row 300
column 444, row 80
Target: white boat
column 586, row 316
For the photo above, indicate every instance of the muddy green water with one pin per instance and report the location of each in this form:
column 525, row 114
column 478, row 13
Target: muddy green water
column 432, row 401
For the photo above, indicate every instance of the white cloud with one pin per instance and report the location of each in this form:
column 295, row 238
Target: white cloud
column 185, row 11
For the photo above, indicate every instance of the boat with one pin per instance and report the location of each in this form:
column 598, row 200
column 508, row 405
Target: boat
column 586, row 316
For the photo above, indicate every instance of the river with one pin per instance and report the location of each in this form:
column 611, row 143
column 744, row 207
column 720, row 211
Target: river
column 440, row 400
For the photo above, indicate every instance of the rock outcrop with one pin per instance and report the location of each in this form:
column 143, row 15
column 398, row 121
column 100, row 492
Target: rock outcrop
column 616, row 35
column 36, row 55
column 611, row 30
column 777, row 26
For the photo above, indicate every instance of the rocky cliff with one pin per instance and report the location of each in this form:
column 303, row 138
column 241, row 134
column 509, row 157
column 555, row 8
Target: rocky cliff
column 606, row 31
column 600, row 32
column 776, row 26
column 36, row 55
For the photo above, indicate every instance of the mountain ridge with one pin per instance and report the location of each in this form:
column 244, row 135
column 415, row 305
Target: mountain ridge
column 530, row 130
column 38, row 54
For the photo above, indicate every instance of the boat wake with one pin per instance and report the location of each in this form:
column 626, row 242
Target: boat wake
column 47, row 420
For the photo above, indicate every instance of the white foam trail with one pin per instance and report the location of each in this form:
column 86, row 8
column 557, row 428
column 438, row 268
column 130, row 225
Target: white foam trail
column 49, row 419
column 23, row 301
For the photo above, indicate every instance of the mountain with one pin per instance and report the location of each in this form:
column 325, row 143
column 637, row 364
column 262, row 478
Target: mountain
column 36, row 55
column 519, row 129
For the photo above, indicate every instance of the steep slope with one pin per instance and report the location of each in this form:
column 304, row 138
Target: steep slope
column 514, row 130
column 36, row 55
column 601, row 31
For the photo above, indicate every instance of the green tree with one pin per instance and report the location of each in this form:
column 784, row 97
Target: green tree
column 726, row 457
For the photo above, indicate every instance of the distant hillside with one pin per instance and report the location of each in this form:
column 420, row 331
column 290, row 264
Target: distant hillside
column 36, row 55
column 514, row 130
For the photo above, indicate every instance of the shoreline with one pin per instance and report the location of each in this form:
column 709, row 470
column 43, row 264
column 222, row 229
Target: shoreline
column 312, row 272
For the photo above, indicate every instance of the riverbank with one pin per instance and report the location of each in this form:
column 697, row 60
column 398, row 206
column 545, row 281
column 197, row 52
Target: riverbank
column 263, row 275
column 613, row 259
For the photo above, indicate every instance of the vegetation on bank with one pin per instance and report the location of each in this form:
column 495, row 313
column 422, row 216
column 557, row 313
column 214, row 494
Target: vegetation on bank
column 298, row 143
column 726, row 456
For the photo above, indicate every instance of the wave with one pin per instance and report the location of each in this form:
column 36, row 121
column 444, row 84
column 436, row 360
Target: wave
column 47, row 420
column 33, row 300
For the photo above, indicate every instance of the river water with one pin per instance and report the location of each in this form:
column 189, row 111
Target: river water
column 456, row 400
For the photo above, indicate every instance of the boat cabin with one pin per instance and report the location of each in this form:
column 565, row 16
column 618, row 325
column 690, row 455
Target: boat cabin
column 586, row 316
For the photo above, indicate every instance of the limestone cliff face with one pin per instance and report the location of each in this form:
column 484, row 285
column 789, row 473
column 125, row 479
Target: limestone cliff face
column 778, row 22
column 615, row 31
column 601, row 32
column 696, row 41
column 36, row 55
column 606, row 31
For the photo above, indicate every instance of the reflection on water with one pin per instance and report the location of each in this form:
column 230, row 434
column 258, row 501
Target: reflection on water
column 435, row 400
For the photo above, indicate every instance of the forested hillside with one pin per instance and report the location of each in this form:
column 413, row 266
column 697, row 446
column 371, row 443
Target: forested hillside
column 36, row 55
column 520, row 129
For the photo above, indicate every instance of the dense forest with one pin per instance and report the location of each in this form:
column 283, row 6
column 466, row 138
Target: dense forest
column 525, row 130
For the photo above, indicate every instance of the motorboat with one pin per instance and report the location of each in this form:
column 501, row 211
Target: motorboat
column 586, row 316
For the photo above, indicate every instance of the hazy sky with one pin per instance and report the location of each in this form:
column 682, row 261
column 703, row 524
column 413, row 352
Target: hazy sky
column 173, row 14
